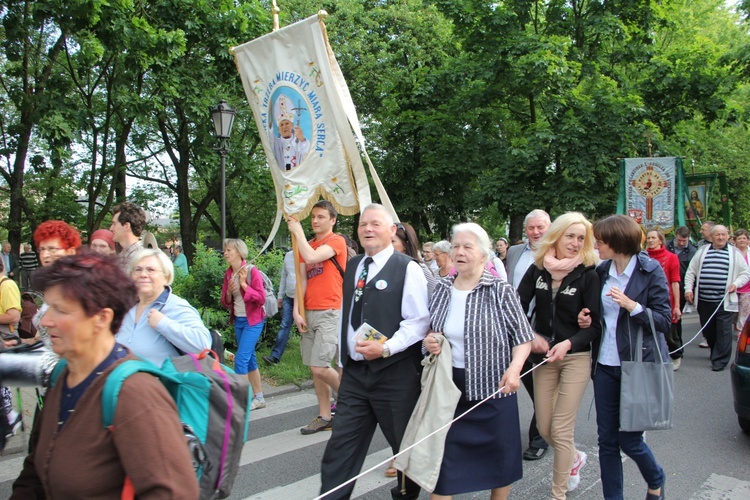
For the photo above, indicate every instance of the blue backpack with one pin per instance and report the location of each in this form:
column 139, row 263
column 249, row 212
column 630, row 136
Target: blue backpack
column 213, row 405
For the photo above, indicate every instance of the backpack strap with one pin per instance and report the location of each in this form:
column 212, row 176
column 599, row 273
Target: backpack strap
column 117, row 377
column 338, row 266
column 56, row 372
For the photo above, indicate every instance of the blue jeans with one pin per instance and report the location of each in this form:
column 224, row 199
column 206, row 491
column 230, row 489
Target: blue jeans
column 287, row 318
column 612, row 440
column 247, row 338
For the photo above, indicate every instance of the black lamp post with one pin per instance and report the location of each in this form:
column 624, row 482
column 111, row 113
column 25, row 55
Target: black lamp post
column 223, row 117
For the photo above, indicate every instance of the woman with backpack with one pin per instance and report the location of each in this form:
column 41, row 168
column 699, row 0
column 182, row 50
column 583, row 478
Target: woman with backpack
column 160, row 325
column 243, row 293
column 74, row 455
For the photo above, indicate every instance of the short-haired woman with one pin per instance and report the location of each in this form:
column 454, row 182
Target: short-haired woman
column 242, row 292
column 631, row 283
column 74, row 455
column 160, row 325
column 490, row 338
column 442, row 253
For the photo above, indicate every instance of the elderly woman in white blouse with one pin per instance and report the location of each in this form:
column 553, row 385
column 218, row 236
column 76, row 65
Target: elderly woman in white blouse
column 482, row 319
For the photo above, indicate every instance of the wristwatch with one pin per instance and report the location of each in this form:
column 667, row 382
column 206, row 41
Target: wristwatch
column 386, row 351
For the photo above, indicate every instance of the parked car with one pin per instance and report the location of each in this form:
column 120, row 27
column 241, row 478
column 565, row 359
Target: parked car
column 740, row 373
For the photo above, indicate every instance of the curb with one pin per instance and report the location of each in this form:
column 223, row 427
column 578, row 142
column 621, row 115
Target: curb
column 271, row 391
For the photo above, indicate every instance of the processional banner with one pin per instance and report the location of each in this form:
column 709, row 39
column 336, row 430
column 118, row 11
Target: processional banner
column 306, row 119
column 650, row 191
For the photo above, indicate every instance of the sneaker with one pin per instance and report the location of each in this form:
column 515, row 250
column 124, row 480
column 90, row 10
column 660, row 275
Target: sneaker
column 317, row 425
column 333, row 408
column 270, row 360
column 534, row 453
column 258, row 404
column 575, row 473
column 703, row 345
column 676, row 364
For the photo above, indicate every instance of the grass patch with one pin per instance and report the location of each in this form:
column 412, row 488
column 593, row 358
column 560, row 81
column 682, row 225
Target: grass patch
column 290, row 370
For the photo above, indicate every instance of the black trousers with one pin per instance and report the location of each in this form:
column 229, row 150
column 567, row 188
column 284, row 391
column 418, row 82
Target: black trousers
column 718, row 332
column 535, row 439
column 369, row 398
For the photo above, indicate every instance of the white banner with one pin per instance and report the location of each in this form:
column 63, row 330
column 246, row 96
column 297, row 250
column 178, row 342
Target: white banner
column 303, row 109
column 650, row 191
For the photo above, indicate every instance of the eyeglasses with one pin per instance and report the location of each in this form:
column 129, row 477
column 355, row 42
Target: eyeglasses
column 50, row 249
column 149, row 270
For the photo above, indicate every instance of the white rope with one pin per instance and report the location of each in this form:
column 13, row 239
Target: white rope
column 374, row 467
column 704, row 326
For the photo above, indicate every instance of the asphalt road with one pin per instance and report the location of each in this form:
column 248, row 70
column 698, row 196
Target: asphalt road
column 706, row 456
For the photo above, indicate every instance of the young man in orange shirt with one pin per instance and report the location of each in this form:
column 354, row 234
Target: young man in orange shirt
column 322, row 288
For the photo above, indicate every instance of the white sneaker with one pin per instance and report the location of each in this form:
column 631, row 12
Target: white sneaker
column 258, row 404
column 575, row 473
column 676, row 364
column 703, row 345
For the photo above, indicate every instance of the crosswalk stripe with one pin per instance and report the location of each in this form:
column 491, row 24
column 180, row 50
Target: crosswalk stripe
column 718, row 487
column 310, row 486
column 286, row 404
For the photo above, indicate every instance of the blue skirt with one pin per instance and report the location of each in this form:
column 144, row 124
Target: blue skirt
column 483, row 449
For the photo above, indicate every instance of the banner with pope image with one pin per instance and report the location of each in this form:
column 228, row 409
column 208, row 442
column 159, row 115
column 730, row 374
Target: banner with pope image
column 306, row 119
column 650, row 191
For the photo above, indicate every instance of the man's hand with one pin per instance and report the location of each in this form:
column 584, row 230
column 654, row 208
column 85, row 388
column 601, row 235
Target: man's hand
column 280, row 303
column 300, row 322
column 370, row 349
column 511, row 381
column 539, row 345
column 299, row 134
column 689, row 297
column 295, row 228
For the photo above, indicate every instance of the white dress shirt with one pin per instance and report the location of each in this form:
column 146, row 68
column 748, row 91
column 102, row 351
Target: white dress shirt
column 414, row 310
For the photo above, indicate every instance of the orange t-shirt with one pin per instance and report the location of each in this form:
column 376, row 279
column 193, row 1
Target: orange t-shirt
column 325, row 286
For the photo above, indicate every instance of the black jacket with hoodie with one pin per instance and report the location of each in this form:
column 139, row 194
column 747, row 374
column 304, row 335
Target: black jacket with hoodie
column 558, row 319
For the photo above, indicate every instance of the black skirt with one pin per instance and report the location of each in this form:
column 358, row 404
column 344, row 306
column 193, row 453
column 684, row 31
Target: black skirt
column 483, row 449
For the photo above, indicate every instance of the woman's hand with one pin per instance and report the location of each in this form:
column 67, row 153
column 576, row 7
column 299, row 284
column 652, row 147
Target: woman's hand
column 539, row 345
column 622, row 300
column 242, row 278
column 233, row 286
column 511, row 380
column 559, row 351
column 676, row 314
column 584, row 318
column 154, row 317
column 432, row 344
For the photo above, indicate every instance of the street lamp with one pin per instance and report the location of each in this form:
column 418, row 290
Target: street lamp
column 223, row 117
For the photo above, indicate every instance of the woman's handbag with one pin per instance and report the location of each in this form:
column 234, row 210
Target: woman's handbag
column 646, row 389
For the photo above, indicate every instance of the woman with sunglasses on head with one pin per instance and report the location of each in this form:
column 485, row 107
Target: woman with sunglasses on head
column 160, row 325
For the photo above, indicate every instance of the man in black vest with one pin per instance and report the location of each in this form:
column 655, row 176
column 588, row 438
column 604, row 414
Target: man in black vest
column 381, row 381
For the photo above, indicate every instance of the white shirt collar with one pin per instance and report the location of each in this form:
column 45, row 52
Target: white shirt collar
column 628, row 272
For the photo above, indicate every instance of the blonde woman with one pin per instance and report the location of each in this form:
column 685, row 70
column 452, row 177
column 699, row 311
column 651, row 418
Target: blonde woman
column 564, row 282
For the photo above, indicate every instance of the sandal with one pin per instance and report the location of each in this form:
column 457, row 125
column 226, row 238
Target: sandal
column 391, row 471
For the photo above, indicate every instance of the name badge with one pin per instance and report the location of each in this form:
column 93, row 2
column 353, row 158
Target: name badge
column 381, row 284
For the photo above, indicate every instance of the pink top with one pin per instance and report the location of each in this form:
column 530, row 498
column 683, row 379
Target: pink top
column 255, row 296
column 746, row 287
